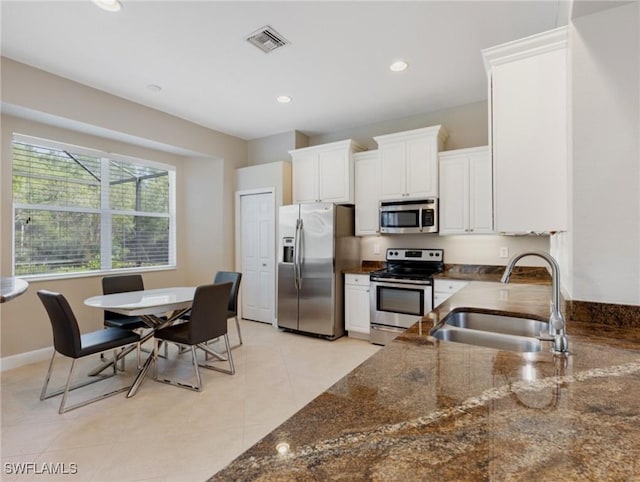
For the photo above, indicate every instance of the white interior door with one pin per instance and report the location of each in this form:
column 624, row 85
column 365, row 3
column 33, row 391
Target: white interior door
column 257, row 237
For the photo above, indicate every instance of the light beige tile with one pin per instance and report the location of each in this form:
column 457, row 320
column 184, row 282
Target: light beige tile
column 166, row 433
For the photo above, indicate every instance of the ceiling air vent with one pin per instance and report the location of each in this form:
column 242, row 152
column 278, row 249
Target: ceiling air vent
column 267, row 39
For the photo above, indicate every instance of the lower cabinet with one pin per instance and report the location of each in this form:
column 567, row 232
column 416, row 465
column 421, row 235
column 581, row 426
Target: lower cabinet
column 356, row 305
column 443, row 289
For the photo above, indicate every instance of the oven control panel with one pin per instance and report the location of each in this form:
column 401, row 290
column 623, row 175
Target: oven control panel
column 403, row 254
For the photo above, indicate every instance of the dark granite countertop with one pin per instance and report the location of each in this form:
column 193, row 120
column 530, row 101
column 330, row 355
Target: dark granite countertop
column 424, row 409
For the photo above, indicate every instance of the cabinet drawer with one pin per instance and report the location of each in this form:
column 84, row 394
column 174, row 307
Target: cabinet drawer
column 356, row 279
column 448, row 286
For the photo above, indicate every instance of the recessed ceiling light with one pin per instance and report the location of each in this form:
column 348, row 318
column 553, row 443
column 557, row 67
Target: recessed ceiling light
column 109, row 5
column 398, row 66
column 283, row 99
column 154, row 88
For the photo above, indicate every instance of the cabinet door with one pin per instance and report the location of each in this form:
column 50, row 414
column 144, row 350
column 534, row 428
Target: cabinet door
column 529, row 112
column 454, row 196
column 367, row 179
column 305, row 178
column 480, row 194
column 334, row 177
column 422, row 168
column 357, row 309
column 392, row 170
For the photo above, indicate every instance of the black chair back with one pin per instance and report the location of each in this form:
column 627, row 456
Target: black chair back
column 66, row 333
column 209, row 313
column 234, row 278
column 120, row 284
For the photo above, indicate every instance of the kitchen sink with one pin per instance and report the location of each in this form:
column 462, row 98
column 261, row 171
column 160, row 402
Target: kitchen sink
column 503, row 332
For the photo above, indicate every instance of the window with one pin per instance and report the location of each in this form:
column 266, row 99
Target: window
column 79, row 210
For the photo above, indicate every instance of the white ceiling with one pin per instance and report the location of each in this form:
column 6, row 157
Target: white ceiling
column 336, row 67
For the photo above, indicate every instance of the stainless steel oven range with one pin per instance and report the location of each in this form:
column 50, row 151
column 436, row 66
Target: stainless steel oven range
column 402, row 293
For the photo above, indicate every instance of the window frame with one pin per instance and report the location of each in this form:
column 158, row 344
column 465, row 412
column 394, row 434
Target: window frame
column 105, row 241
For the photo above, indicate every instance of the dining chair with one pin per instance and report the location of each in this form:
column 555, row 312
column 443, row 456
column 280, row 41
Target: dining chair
column 68, row 341
column 208, row 320
column 232, row 306
column 123, row 284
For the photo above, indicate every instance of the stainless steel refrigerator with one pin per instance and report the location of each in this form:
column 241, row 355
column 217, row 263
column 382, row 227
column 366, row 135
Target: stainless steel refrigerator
column 316, row 243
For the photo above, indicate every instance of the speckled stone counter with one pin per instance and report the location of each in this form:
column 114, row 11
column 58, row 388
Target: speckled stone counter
column 423, row 409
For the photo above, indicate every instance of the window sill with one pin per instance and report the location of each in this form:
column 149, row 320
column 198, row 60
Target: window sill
column 92, row 274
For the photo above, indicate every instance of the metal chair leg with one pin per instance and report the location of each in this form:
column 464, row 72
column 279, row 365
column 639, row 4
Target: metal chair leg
column 47, row 378
column 206, row 349
column 195, row 366
column 68, row 388
column 238, row 327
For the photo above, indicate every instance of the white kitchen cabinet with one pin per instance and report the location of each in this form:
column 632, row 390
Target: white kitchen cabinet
column 466, row 194
column 528, row 124
column 367, row 185
column 443, row 289
column 356, row 305
column 409, row 163
column 324, row 173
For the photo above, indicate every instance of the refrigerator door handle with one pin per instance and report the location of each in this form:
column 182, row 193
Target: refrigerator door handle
column 298, row 249
column 295, row 256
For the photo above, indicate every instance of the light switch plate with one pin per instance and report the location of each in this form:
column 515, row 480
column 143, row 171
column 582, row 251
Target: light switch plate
column 504, row 252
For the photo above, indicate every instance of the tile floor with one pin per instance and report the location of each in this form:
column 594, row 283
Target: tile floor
column 166, row 433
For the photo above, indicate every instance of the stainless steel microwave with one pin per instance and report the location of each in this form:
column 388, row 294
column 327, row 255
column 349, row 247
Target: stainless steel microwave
column 415, row 216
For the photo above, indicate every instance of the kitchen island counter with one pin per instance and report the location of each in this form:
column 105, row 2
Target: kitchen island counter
column 424, row 409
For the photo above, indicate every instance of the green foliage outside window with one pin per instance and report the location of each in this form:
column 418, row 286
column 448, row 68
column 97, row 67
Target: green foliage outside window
column 59, row 216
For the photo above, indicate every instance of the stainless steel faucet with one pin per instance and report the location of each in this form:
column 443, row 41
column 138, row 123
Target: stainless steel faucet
column 556, row 320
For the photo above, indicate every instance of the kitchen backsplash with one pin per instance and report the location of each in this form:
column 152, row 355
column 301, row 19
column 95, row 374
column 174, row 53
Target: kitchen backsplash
column 464, row 249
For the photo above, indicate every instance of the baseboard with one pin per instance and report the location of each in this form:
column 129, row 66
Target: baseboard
column 21, row 359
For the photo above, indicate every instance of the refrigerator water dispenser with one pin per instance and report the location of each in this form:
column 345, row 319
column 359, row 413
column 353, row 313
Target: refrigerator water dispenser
column 287, row 250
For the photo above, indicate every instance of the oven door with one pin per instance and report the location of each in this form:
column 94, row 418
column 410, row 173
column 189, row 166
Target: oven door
column 399, row 304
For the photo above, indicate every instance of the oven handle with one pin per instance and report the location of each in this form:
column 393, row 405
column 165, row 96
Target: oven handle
column 400, row 283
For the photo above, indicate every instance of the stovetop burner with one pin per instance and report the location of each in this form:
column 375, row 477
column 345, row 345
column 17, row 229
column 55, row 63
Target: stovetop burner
column 411, row 264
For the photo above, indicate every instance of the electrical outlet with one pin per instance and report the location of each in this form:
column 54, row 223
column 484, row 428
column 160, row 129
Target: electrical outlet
column 504, row 252
column 376, row 248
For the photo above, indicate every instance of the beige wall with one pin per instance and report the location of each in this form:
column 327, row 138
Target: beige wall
column 276, row 175
column 467, row 126
column 275, row 148
column 40, row 104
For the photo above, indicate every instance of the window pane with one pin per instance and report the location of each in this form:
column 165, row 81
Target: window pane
column 138, row 188
column 63, row 222
column 56, row 242
column 44, row 176
column 139, row 241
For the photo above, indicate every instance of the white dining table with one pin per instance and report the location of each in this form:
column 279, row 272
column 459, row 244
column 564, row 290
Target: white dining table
column 156, row 307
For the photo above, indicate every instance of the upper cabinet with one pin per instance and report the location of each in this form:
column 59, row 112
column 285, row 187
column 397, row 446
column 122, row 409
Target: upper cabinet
column 466, row 204
column 367, row 169
column 324, row 173
column 409, row 163
column 528, row 132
